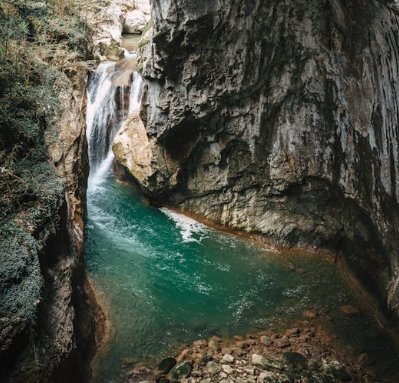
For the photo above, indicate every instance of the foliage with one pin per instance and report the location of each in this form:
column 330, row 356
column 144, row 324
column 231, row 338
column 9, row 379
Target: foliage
column 40, row 45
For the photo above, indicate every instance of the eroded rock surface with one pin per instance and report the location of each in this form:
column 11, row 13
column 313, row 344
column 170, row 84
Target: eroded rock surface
column 281, row 119
column 108, row 20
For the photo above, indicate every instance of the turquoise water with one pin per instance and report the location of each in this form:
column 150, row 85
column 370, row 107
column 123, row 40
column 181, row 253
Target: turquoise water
column 167, row 280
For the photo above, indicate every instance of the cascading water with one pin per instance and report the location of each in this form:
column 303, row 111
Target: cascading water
column 109, row 90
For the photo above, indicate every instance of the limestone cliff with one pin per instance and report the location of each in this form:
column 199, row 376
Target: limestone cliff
column 47, row 321
column 279, row 118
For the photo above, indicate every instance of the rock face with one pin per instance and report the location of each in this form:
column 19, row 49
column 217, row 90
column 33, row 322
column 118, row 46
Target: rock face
column 49, row 326
column 281, row 119
column 108, row 22
column 135, row 22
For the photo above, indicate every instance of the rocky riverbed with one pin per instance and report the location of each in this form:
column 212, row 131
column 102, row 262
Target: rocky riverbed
column 303, row 354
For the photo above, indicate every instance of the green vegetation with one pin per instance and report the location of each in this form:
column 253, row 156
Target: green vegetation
column 41, row 44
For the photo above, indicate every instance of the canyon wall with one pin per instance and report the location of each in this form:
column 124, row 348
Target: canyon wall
column 47, row 321
column 278, row 118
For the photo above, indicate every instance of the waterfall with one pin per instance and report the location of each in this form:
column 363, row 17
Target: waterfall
column 135, row 93
column 113, row 92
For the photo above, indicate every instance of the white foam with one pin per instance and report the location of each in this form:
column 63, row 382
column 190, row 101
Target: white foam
column 99, row 176
column 188, row 226
column 135, row 93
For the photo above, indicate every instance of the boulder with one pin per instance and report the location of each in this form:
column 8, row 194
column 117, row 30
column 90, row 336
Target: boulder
column 166, row 364
column 182, row 370
column 134, row 22
column 265, row 363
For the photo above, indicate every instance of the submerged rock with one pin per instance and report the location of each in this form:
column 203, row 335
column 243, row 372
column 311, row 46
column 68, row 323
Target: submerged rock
column 350, row 310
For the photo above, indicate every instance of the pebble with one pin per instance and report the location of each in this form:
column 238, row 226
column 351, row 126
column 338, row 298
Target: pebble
column 212, row 367
column 238, row 352
column 243, row 345
column 292, row 331
column 214, row 345
column 311, row 314
column 227, row 358
column 200, row 343
column 227, row 369
column 282, row 342
column 265, row 340
column 249, row 370
column 261, row 360
column 182, row 355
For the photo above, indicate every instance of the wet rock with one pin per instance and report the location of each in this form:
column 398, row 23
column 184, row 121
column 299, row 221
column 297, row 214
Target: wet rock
column 292, row 331
column 310, row 314
column 182, row 370
column 128, row 362
column 213, row 368
column 265, row 363
column 204, row 360
column 200, row 343
column 295, row 358
column 165, row 365
column 350, row 310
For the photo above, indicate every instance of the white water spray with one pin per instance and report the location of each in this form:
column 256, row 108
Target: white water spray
column 107, row 91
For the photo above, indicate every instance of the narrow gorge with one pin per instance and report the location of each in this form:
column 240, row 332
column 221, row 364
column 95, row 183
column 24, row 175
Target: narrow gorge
column 199, row 191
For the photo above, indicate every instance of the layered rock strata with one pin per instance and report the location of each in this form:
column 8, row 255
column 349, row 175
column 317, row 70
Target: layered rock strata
column 279, row 119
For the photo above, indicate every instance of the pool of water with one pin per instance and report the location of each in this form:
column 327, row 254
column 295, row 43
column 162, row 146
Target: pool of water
column 167, row 279
column 130, row 41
